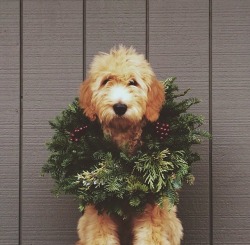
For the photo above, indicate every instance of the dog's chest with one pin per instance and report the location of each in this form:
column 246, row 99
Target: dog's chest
column 129, row 138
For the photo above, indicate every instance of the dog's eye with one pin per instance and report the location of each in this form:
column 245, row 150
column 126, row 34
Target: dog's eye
column 105, row 81
column 132, row 82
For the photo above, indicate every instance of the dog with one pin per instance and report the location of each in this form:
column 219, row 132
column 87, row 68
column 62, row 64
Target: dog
column 123, row 93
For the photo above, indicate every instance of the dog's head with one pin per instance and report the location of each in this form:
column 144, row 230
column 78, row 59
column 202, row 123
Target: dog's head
column 121, row 89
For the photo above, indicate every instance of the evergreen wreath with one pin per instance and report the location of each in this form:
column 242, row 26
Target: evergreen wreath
column 86, row 163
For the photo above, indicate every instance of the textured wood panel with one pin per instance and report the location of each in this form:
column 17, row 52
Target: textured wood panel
column 178, row 46
column 53, row 62
column 111, row 22
column 9, row 121
column 231, row 116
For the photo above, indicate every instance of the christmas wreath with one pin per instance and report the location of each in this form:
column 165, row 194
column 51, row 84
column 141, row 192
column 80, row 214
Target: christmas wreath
column 86, row 163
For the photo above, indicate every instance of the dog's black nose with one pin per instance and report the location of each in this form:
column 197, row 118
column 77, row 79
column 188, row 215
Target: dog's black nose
column 120, row 109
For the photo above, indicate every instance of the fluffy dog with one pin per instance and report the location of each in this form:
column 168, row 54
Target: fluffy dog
column 122, row 92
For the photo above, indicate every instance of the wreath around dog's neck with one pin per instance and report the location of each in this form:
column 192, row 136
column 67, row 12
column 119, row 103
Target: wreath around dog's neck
column 85, row 161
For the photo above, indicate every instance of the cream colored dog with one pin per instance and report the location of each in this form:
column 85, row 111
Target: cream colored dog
column 122, row 92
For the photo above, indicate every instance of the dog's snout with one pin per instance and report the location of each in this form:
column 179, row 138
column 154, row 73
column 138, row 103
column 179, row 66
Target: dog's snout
column 120, row 109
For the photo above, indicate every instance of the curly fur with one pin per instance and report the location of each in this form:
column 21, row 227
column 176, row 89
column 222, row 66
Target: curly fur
column 123, row 78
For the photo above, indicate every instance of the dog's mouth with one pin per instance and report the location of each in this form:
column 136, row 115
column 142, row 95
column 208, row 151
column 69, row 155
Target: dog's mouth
column 121, row 123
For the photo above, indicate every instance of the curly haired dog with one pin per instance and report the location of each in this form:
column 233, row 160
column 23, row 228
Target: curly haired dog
column 122, row 92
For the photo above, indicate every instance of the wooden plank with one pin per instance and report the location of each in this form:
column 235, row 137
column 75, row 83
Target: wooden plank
column 9, row 121
column 110, row 23
column 178, row 46
column 231, row 115
column 53, row 64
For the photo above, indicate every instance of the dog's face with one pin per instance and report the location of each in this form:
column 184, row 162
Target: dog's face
column 121, row 89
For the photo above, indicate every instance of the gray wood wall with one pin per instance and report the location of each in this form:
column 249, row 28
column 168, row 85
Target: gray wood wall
column 45, row 49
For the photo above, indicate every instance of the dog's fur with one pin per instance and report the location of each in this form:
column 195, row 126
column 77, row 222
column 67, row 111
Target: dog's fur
column 122, row 92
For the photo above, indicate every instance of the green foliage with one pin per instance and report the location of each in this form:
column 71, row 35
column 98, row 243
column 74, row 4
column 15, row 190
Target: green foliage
column 97, row 172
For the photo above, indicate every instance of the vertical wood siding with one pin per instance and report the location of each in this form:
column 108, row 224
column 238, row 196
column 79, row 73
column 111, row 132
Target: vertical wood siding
column 231, row 121
column 52, row 71
column 9, row 121
column 57, row 40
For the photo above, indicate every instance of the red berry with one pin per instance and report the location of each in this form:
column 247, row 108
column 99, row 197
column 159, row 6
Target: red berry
column 77, row 133
column 161, row 130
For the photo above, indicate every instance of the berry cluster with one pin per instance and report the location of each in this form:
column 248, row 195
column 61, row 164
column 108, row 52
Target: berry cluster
column 78, row 133
column 162, row 130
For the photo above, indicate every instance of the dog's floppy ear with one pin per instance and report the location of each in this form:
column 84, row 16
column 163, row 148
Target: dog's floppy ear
column 85, row 100
column 156, row 97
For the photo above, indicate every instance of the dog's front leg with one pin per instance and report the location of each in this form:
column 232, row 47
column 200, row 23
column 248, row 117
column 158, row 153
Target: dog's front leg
column 157, row 226
column 95, row 229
